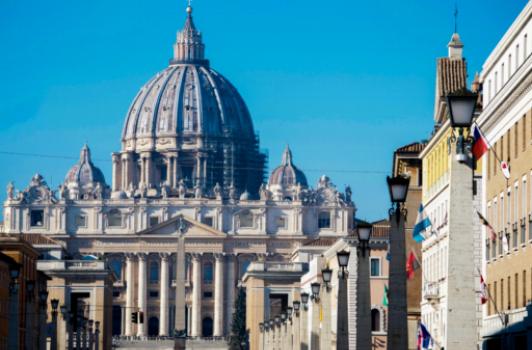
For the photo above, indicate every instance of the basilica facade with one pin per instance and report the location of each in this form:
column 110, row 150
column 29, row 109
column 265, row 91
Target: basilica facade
column 189, row 206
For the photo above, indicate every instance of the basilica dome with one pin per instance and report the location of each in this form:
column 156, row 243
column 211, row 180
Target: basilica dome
column 287, row 174
column 188, row 127
column 185, row 100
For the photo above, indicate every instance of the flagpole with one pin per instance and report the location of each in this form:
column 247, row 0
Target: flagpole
column 501, row 315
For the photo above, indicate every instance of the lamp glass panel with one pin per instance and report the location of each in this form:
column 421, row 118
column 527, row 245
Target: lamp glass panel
column 343, row 258
column 304, row 298
column 315, row 288
column 461, row 110
column 326, row 275
column 364, row 233
column 398, row 192
column 297, row 305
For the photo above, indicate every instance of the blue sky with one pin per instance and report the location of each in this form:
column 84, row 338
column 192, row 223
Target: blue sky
column 343, row 82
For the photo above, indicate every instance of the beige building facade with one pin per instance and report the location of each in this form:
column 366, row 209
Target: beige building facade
column 507, row 202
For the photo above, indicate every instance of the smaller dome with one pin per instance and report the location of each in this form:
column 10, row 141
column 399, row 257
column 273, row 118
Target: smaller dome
column 287, row 174
column 84, row 174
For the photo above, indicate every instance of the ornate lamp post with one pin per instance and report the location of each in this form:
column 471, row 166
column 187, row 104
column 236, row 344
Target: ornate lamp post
column 462, row 300
column 363, row 299
column 13, row 335
column 397, row 319
column 68, row 325
column 96, row 335
column 43, row 302
column 304, row 300
column 54, row 303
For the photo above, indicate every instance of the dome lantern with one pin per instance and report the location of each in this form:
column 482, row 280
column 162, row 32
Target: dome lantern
column 189, row 47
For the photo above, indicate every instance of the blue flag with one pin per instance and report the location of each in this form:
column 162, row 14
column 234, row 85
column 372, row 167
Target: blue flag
column 424, row 340
column 422, row 223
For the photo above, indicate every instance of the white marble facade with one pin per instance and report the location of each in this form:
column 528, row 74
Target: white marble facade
column 183, row 171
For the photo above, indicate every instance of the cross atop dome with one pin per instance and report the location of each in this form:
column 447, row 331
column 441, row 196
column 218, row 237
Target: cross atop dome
column 189, row 47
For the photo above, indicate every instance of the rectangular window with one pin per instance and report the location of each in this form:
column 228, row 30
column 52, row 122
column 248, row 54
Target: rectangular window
column 154, row 220
column 324, row 220
column 516, row 292
column 516, row 139
column 207, row 220
column 510, row 65
column 495, row 295
column 517, row 56
column 81, row 220
column 509, row 291
column 523, row 134
column 375, row 267
column 154, row 294
column 524, row 289
column 502, row 306
column 207, row 295
column 37, row 218
column 487, row 249
column 508, row 145
column 496, row 82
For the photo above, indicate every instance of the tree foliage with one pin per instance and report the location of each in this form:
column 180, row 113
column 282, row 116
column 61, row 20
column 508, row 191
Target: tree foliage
column 238, row 339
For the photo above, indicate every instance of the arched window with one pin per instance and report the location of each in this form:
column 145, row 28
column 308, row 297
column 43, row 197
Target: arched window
column 154, row 271
column 153, row 326
column 375, row 320
column 206, row 326
column 245, row 219
column 207, row 272
column 324, row 219
column 114, row 218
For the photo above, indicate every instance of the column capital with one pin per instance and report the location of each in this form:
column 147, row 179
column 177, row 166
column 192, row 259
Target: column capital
column 142, row 256
column 164, row 256
column 219, row 256
column 130, row 256
column 195, row 256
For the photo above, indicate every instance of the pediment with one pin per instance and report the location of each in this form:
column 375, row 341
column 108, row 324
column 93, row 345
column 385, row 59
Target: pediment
column 183, row 225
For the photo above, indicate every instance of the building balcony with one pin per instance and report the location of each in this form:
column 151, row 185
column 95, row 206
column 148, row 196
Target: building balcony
column 71, row 265
column 431, row 292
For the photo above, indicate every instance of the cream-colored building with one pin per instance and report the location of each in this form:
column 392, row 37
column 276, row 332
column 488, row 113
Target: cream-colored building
column 437, row 156
column 189, row 206
column 506, row 121
column 273, row 287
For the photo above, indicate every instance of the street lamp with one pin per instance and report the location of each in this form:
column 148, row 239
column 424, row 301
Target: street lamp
column 461, row 112
column 397, row 324
column 54, row 303
column 304, row 299
column 462, row 108
column 343, row 260
column 289, row 311
column 43, row 298
column 364, row 231
column 315, row 289
column 326, row 274
column 14, row 272
column 398, row 187
column 297, row 306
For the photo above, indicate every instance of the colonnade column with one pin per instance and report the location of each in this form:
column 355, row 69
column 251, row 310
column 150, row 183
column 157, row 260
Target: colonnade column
column 130, row 284
column 117, row 172
column 142, row 295
column 230, row 297
column 163, row 312
column 148, row 169
column 219, row 295
column 196, row 295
